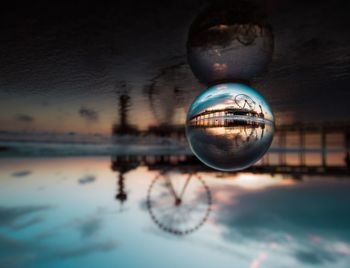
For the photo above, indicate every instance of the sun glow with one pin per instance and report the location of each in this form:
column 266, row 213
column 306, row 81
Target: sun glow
column 256, row 182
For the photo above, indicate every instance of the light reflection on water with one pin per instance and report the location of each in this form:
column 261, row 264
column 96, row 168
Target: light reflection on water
column 63, row 212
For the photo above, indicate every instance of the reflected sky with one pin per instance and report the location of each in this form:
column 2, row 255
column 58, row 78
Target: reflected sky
column 63, row 217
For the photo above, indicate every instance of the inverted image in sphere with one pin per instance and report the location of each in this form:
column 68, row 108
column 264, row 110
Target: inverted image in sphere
column 229, row 126
column 229, row 40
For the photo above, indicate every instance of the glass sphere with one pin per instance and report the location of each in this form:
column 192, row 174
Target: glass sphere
column 229, row 41
column 229, row 126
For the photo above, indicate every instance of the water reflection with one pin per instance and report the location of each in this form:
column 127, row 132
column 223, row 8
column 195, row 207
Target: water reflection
column 274, row 220
column 123, row 164
column 229, row 126
column 229, row 40
column 179, row 203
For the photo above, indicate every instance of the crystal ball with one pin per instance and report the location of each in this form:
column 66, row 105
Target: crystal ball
column 229, row 126
column 229, row 41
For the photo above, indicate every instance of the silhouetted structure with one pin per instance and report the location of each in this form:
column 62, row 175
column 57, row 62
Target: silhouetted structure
column 221, row 114
column 301, row 130
column 278, row 152
column 123, row 128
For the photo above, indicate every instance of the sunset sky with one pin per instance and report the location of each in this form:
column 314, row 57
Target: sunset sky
column 54, row 67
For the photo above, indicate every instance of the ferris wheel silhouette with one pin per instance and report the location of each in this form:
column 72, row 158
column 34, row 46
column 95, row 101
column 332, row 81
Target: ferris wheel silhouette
column 178, row 203
column 245, row 102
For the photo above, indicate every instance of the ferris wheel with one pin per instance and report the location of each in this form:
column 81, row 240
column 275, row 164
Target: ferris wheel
column 245, row 102
column 179, row 203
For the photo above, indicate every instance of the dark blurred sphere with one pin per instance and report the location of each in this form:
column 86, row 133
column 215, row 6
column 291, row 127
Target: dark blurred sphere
column 229, row 40
column 229, row 126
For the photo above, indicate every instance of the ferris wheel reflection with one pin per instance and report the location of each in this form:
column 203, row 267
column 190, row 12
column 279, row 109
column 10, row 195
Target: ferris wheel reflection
column 179, row 203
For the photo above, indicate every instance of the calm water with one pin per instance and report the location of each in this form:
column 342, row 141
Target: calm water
column 76, row 212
